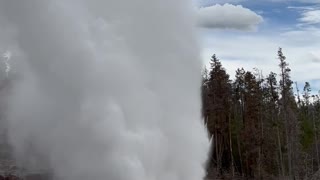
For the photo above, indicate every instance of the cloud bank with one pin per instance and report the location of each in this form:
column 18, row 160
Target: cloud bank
column 228, row 16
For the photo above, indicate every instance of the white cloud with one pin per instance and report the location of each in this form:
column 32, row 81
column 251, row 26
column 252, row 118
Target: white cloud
column 310, row 17
column 222, row 1
column 228, row 16
column 211, row 2
column 301, row 7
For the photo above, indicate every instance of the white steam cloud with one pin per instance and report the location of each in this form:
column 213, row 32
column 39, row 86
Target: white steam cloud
column 105, row 89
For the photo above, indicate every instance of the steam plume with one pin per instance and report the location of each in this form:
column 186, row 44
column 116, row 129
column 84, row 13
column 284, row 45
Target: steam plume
column 105, row 89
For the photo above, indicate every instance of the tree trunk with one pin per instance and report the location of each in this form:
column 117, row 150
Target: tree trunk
column 230, row 145
column 316, row 139
column 280, row 152
column 240, row 156
column 260, row 143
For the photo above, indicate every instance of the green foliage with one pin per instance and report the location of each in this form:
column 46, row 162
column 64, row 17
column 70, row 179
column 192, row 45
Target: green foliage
column 307, row 134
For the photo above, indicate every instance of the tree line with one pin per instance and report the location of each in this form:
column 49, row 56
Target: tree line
column 260, row 127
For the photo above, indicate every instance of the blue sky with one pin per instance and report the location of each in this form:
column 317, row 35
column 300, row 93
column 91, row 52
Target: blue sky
column 251, row 31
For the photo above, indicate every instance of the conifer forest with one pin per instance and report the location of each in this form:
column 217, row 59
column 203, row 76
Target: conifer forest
column 261, row 126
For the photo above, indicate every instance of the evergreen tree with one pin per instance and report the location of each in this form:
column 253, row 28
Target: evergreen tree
column 219, row 97
column 273, row 142
column 251, row 132
column 238, row 89
column 287, row 111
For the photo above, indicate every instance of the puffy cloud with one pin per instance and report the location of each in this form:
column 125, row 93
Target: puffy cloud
column 228, row 16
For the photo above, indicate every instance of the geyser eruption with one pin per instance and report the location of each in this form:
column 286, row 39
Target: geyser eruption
column 105, row 89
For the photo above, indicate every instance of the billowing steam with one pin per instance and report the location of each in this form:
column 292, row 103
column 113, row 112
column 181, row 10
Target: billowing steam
column 104, row 89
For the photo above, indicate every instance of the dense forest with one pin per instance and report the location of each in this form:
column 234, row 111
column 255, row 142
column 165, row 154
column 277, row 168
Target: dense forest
column 260, row 127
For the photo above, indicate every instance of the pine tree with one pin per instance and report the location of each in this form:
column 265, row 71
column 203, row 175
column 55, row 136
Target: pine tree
column 204, row 94
column 251, row 132
column 288, row 113
column 218, row 116
column 238, row 115
column 273, row 141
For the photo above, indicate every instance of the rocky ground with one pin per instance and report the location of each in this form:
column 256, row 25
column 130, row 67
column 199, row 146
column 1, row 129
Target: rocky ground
column 37, row 176
column 27, row 177
column 9, row 171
